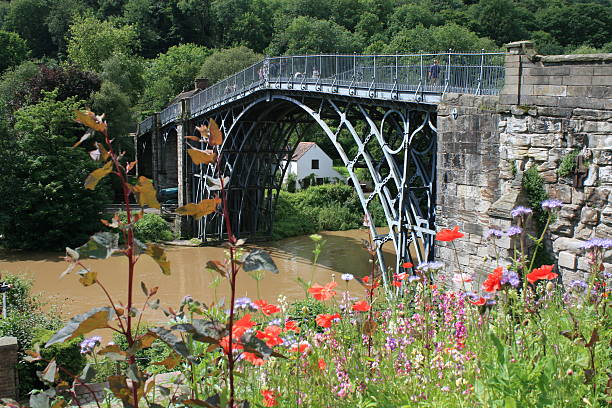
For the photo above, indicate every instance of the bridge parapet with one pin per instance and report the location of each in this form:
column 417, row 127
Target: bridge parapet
column 403, row 77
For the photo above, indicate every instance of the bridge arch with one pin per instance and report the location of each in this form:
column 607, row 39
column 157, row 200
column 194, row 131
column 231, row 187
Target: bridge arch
column 394, row 144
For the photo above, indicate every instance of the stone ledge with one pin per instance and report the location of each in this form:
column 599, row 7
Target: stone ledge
column 607, row 57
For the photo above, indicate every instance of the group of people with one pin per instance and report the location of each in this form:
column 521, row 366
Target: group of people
column 268, row 70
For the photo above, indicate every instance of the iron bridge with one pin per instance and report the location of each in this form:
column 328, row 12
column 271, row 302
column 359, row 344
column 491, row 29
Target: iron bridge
column 385, row 103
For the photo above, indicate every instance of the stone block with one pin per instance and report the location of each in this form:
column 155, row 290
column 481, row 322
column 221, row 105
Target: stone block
column 555, row 111
column 581, row 70
column 538, row 154
column 592, row 114
column 568, row 244
column 583, row 91
column 597, row 197
column 577, row 80
column 604, row 80
column 550, row 90
column 605, row 174
column 589, row 216
column 566, row 260
column 517, row 124
column 601, row 91
column 561, row 192
column 603, row 70
column 540, row 100
column 550, row 71
column 508, row 96
column 549, row 176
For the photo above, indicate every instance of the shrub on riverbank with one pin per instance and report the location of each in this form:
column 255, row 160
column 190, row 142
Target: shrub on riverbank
column 333, row 207
column 151, row 228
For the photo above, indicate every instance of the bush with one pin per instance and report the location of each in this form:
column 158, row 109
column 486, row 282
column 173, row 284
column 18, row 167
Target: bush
column 151, row 228
column 157, row 352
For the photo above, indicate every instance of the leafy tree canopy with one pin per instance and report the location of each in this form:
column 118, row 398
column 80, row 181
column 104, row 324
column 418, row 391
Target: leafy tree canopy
column 449, row 36
column 223, row 63
column 93, row 41
column 26, row 18
column 14, row 50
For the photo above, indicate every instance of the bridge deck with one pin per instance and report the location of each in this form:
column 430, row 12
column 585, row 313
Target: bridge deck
column 406, row 78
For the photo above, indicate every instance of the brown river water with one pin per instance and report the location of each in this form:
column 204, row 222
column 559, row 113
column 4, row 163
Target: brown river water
column 342, row 253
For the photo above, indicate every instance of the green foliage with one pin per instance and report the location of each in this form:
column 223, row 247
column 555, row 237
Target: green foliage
column 291, row 183
column 501, row 20
column 14, row 50
column 42, row 187
column 307, row 35
column 328, row 206
column 171, row 73
column 24, row 319
column 533, row 185
column 157, row 352
column 125, row 71
column 116, row 104
column 439, row 38
column 304, row 311
column 150, row 228
column 93, row 41
column 223, row 63
column 567, row 166
column 26, row 18
column 13, row 83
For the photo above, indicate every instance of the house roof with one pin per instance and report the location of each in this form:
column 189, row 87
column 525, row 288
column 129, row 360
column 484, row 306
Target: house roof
column 183, row 95
column 301, row 150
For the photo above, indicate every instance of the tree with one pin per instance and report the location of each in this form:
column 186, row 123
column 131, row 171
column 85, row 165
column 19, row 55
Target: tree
column 590, row 23
column 13, row 84
column 546, row 43
column 126, row 71
column 171, row 73
column 154, row 24
column 307, row 35
column 61, row 15
column 223, row 63
column 27, row 18
column 14, row 50
column 502, row 20
column 93, row 41
column 116, row 105
column 409, row 16
column 43, row 202
column 441, row 38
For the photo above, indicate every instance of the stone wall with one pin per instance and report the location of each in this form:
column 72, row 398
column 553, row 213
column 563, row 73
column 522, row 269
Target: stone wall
column 551, row 106
column 8, row 371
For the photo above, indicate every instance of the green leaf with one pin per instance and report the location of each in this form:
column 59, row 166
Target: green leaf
column 509, row 402
column 501, row 358
column 100, row 246
column 158, row 254
column 49, row 373
column 171, row 340
column 95, row 176
column 204, row 330
column 96, row 318
column 259, row 260
column 143, row 286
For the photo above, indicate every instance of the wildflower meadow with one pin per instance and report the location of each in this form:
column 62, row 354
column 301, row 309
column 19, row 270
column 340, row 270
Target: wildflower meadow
column 514, row 335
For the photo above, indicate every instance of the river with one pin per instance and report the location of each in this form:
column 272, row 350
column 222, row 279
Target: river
column 342, row 253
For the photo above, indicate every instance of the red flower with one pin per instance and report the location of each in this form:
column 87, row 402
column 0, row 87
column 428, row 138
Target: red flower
column 302, row 347
column 366, row 280
column 224, row 343
column 493, row 281
column 322, row 364
column 479, row 302
column 397, row 284
column 407, row 265
column 448, row 234
column 266, row 308
column 290, row 325
column 269, row 398
column 541, row 273
column 270, row 335
column 323, row 292
column 242, row 325
column 252, row 357
column 325, row 320
column 362, row 306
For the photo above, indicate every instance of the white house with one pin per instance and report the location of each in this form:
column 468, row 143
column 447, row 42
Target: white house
column 308, row 159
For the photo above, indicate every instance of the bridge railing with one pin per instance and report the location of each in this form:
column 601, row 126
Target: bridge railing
column 473, row 73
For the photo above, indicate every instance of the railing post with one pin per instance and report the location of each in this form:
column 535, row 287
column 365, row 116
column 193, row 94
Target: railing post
column 448, row 69
column 478, row 90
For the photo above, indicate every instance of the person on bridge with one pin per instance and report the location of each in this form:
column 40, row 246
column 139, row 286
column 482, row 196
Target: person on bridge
column 434, row 72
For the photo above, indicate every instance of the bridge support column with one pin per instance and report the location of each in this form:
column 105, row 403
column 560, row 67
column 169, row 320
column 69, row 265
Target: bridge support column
column 183, row 224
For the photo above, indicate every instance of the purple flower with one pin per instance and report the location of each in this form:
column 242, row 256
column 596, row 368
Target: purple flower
column 88, row 345
column 412, row 278
column 578, row 285
column 391, row 343
column 604, row 243
column 493, row 233
column 244, row 303
column 513, row 230
column 520, row 210
column 510, row 278
column 551, row 204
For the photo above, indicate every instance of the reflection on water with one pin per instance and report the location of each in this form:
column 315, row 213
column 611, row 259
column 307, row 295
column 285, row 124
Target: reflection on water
column 342, row 253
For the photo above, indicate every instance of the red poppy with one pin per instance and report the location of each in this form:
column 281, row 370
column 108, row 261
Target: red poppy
column 362, row 306
column 325, row 320
column 302, row 347
column 480, row 302
column 270, row 335
column 397, row 284
column 242, row 325
column 252, row 357
column 400, row 276
column 541, row 273
column 266, row 308
column 322, row 364
column 269, row 398
column 366, row 280
column 407, row 265
column 448, row 234
column 290, row 325
column 323, row 292
column 224, row 343
column 493, row 281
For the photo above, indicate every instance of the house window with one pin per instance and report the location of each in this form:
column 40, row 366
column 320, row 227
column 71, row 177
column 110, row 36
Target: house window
column 315, row 165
